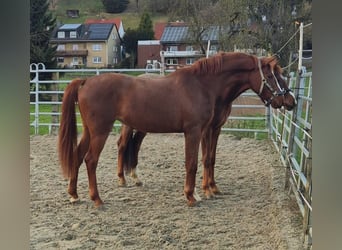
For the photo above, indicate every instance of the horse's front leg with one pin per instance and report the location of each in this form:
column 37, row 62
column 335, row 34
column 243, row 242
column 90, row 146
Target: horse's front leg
column 211, row 177
column 192, row 140
column 206, row 144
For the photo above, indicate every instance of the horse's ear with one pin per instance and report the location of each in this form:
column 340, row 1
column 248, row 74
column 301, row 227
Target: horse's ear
column 272, row 61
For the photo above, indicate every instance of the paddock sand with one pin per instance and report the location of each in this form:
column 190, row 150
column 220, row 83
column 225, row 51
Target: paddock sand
column 254, row 211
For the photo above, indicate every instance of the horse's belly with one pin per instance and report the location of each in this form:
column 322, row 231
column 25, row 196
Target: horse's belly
column 153, row 125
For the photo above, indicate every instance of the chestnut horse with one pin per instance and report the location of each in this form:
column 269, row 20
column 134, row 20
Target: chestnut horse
column 189, row 100
column 130, row 140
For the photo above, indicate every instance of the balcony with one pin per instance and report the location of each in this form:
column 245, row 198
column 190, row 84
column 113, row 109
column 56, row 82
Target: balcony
column 193, row 53
column 72, row 53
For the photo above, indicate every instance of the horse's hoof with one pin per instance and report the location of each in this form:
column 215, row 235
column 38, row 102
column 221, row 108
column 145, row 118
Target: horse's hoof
column 215, row 190
column 99, row 204
column 122, row 183
column 191, row 203
column 74, row 200
column 209, row 194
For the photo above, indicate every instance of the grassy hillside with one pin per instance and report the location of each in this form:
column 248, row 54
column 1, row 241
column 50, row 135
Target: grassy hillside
column 95, row 9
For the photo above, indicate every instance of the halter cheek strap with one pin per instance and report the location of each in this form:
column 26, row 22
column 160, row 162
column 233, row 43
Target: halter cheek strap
column 263, row 80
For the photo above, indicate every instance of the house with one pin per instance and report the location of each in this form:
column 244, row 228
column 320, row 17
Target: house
column 176, row 46
column 148, row 54
column 95, row 45
column 149, row 50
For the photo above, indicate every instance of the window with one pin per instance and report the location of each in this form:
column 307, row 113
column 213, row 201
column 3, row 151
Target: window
column 75, row 47
column 97, row 47
column 61, row 34
column 172, row 48
column 213, row 48
column 114, row 36
column 190, row 61
column 61, row 47
column 60, row 59
column 75, row 60
column 73, row 34
column 97, row 59
column 189, row 48
column 171, row 61
column 115, row 60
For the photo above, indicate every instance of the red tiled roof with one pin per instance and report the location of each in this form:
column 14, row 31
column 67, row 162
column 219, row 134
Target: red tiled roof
column 116, row 21
column 158, row 30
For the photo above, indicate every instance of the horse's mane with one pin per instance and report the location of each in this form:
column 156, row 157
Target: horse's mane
column 220, row 62
column 207, row 65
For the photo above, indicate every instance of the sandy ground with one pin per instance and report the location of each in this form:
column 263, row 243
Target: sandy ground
column 254, row 211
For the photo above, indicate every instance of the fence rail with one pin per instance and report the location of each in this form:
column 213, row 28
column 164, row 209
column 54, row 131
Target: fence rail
column 46, row 96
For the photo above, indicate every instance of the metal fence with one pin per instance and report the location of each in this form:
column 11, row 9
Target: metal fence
column 291, row 133
column 46, row 96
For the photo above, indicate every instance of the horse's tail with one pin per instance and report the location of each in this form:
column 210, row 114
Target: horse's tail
column 67, row 140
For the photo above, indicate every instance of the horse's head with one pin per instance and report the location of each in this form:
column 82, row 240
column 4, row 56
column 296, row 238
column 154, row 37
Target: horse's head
column 271, row 85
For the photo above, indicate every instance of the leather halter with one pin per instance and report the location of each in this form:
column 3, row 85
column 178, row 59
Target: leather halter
column 275, row 93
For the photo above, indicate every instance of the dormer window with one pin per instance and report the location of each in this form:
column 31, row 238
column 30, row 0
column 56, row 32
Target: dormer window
column 73, row 34
column 61, row 34
column 61, row 47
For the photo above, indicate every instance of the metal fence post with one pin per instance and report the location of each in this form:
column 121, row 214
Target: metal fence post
column 54, row 108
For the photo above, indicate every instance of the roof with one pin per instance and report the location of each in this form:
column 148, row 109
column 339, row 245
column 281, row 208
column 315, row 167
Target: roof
column 96, row 31
column 158, row 30
column 70, row 26
column 174, row 34
column 116, row 21
column 149, row 42
column 179, row 34
column 99, row 31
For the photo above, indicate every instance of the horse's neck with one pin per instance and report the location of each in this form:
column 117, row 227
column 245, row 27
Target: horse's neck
column 230, row 87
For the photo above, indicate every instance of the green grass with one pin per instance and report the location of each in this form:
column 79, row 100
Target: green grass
column 247, row 124
column 93, row 9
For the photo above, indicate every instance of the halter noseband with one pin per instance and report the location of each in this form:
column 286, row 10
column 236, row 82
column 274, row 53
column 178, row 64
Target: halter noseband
column 264, row 83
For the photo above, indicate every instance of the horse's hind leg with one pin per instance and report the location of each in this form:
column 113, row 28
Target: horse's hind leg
column 81, row 150
column 96, row 145
column 125, row 137
column 137, row 139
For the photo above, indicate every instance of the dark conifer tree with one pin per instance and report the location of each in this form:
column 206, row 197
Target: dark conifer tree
column 42, row 24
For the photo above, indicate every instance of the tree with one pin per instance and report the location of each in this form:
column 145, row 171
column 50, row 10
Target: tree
column 115, row 6
column 248, row 24
column 42, row 24
column 145, row 28
column 132, row 36
column 130, row 41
